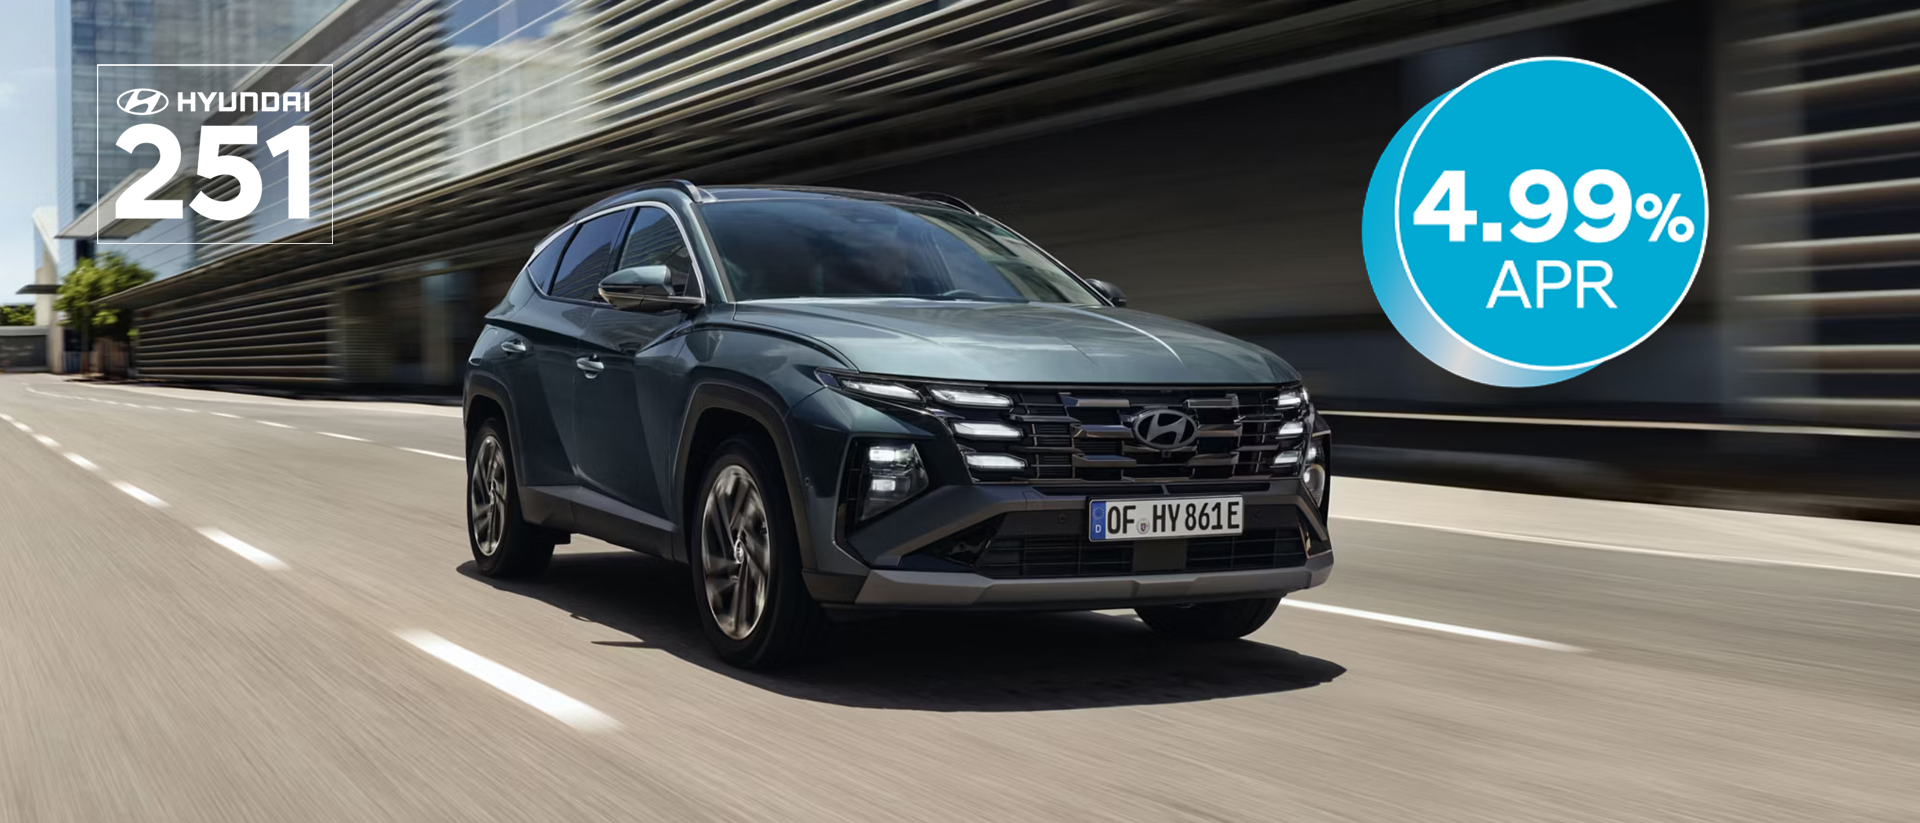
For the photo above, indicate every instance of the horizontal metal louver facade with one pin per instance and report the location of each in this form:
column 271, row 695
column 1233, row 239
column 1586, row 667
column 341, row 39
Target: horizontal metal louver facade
column 387, row 137
column 1826, row 195
column 276, row 336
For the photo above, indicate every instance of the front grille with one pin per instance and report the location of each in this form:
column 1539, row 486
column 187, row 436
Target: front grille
column 1067, row 555
column 1084, row 435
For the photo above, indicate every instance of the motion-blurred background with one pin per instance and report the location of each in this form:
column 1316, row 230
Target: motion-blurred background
column 1209, row 156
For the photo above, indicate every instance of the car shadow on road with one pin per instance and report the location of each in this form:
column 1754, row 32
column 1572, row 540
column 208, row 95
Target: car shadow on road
column 930, row 662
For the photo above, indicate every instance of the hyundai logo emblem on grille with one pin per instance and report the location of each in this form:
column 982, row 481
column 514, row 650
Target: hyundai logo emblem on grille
column 1165, row 429
column 142, row 102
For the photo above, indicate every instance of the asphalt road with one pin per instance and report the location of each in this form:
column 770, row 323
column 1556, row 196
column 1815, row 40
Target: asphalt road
column 266, row 623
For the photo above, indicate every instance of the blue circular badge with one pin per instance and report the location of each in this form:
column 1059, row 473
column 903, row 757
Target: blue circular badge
column 1542, row 218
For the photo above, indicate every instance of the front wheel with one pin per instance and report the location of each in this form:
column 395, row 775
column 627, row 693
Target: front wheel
column 1209, row 621
column 504, row 545
column 746, row 566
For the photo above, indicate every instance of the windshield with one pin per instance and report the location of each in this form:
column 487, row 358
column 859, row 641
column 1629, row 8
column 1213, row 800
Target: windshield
column 861, row 248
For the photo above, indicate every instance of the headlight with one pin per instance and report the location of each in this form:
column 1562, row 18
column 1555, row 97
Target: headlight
column 972, row 397
column 985, row 431
column 880, row 388
column 996, row 462
column 893, row 475
column 1313, row 478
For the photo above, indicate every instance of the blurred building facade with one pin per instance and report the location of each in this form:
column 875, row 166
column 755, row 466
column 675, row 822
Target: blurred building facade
column 39, row 346
column 1209, row 157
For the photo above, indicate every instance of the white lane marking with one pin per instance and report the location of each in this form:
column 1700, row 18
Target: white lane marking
column 344, row 437
column 428, row 453
column 139, row 494
column 1429, row 625
column 6, row 417
column 47, row 441
column 188, row 411
column 273, row 424
column 1608, row 547
column 228, row 416
column 158, row 408
column 240, row 547
column 523, row 688
column 82, row 462
column 21, row 426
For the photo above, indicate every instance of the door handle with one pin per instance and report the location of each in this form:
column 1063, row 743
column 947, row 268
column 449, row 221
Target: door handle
column 590, row 367
column 513, row 345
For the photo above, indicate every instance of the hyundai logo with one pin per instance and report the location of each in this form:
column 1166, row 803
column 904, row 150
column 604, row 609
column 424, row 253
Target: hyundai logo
column 1165, row 429
column 142, row 102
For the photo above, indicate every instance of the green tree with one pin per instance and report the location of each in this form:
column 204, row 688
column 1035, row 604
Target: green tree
column 16, row 315
column 92, row 280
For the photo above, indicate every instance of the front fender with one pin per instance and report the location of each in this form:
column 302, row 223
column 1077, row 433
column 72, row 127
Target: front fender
column 761, row 377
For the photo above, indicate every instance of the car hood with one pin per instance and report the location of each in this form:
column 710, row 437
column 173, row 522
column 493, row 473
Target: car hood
column 1019, row 342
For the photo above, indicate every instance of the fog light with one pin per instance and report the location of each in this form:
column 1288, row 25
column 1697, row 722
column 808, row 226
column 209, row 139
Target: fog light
column 986, row 431
column 996, row 462
column 894, row 475
column 972, row 397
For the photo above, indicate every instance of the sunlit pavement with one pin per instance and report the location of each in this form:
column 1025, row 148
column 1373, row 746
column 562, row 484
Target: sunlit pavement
column 227, row 608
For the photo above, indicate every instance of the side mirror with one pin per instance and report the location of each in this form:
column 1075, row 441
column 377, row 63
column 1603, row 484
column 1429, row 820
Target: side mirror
column 643, row 289
column 1110, row 291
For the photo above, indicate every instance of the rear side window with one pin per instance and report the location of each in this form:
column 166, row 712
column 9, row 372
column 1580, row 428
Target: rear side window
column 655, row 240
column 541, row 269
column 589, row 257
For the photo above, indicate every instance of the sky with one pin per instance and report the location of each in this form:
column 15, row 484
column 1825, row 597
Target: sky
column 26, row 136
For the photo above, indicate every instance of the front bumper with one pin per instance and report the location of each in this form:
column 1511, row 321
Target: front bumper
column 906, row 570
column 974, row 545
column 891, row 589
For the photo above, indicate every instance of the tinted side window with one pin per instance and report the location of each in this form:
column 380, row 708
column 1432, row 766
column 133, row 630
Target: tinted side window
column 540, row 269
column 655, row 240
column 589, row 257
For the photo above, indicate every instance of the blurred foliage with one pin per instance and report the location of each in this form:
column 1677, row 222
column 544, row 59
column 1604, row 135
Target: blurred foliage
column 92, row 280
column 16, row 315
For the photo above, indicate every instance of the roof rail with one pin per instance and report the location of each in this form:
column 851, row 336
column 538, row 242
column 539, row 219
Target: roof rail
column 686, row 187
column 947, row 199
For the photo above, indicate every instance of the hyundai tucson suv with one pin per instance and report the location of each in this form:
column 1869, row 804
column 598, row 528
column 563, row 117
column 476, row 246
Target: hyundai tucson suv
column 824, row 401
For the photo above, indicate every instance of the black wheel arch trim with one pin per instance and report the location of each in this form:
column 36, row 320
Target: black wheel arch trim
column 481, row 384
column 709, row 395
column 536, row 503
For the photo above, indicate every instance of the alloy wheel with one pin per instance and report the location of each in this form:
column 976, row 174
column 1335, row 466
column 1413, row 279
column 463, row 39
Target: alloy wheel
column 487, row 496
column 735, row 552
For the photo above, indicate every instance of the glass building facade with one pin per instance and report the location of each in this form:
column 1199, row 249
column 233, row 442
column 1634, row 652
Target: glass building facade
column 95, row 35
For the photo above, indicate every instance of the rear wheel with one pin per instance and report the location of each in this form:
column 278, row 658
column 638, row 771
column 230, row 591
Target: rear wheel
column 746, row 568
column 1209, row 621
column 503, row 544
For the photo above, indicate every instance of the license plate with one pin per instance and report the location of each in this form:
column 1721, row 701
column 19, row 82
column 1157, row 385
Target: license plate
column 1155, row 518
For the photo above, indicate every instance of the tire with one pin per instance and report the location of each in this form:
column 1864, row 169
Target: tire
column 745, row 560
column 1227, row 620
column 504, row 545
